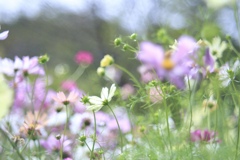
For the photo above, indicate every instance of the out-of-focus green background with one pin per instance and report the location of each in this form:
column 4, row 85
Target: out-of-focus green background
column 61, row 28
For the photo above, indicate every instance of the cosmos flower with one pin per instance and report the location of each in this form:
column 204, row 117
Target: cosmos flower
column 96, row 103
column 227, row 73
column 217, row 47
column 171, row 65
column 204, row 136
column 33, row 123
column 61, row 98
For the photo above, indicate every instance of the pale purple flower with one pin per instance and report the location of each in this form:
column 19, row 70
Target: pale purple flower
column 82, row 123
column 204, row 136
column 52, row 144
column 4, row 35
column 25, row 66
column 31, row 66
column 171, row 66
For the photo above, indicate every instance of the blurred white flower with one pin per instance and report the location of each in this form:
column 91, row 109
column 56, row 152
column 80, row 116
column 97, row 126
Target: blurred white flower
column 216, row 4
column 96, row 103
column 226, row 74
column 217, row 47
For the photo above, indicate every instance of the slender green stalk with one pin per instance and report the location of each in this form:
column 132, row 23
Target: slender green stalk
column 238, row 126
column 12, row 144
column 94, row 136
column 64, row 132
column 130, row 75
column 236, row 16
column 79, row 71
column 119, row 129
column 166, row 112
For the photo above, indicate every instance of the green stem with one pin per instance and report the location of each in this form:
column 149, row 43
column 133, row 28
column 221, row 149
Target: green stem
column 12, row 144
column 64, row 132
column 94, row 136
column 130, row 75
column 79, row 71
column 119, row 129
column 238, row 126
column 236, row 16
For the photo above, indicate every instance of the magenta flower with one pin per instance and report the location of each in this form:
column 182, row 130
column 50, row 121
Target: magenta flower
column 61, row 98
column 204, row 136
column 84, row 57
column 172, row 65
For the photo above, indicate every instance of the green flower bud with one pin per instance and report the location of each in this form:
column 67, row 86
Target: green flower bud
column 126, row 47
column 82, row 138
column 133, row 36
column 58, row 137
column 117, row 42
column 101, row 71
column 85, row 100
column 43, row 59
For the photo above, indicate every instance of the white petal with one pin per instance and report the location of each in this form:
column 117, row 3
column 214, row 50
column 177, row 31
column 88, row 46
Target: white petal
column 4, row 35
column 95, row 100
column 104, row 93
column 112, row 91
column 94, row 107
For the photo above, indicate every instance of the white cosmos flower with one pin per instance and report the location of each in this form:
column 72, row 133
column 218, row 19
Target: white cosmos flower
column 227, row 73
column 96, row 103
column 217, row 47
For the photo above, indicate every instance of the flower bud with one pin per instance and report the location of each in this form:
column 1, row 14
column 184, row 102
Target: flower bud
column 43, row 59
column 133, row 36
column 106, row 61
column 125, row 47
column 82, row 138
column 101, row 71
column 117, row 42
column 58, row 137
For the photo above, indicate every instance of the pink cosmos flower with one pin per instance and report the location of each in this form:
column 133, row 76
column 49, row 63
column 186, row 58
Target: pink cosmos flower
column 204, row 136
column 61, row 98
column 84, row 57
column 172, row 65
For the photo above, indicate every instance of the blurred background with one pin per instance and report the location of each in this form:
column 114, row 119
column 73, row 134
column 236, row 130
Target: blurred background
column 61, row 28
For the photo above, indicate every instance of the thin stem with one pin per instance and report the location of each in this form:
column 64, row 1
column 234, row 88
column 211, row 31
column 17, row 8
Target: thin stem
column 236, row 16
column 79, row 71
column 238, row 126
column 130, row 75
column 64, row 132
column 13, row 145
column 119, row 129
column 94, row 136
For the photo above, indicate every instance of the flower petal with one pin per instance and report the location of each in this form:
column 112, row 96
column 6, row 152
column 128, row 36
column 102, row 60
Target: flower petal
column 95, row 100
column 4, row 35
column 104, row 93
column 111, row 92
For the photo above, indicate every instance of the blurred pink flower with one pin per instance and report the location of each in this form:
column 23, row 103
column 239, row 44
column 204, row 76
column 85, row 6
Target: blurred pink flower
column 61, row 98
column 204, row 136
column 84, row 57
column 69, row 85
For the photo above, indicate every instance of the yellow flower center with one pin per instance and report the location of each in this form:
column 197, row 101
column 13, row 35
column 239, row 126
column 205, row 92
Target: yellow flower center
column 167, row 63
